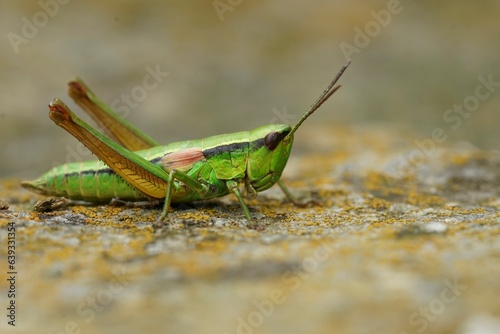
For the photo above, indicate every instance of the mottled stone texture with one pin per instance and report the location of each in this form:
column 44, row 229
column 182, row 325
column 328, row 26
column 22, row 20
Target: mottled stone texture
column 392, row 248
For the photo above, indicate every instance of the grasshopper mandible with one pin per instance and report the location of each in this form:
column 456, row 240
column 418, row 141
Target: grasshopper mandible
column 135, row 168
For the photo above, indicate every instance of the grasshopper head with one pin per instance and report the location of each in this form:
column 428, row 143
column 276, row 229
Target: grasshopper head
column 270, row 145
column 269, row 149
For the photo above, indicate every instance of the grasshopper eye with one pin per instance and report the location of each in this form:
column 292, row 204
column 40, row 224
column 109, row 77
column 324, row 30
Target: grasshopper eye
column 272, row 140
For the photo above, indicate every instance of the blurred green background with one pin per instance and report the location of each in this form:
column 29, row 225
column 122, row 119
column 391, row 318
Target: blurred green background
column 243, row 65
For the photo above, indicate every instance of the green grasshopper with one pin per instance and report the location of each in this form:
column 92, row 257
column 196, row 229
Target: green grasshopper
column 135, row 168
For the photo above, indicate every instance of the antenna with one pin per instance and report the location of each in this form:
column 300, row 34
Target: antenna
column 321, row 99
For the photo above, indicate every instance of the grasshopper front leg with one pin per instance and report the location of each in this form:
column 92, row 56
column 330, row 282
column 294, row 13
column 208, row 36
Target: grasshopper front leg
column 292, row 198
column 233, row 187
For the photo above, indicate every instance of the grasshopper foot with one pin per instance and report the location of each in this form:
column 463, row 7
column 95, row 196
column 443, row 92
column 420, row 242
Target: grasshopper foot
column 50, row 204
column 256, row 226
column 292, row 199
column 159, row 224
column 162, row 219
column 309, row 202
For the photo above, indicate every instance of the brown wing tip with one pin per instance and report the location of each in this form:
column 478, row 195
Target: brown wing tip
column 77, row 87
column 58, row 111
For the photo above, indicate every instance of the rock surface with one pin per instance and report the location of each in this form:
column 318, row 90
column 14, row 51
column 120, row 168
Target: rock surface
column 404, row 241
